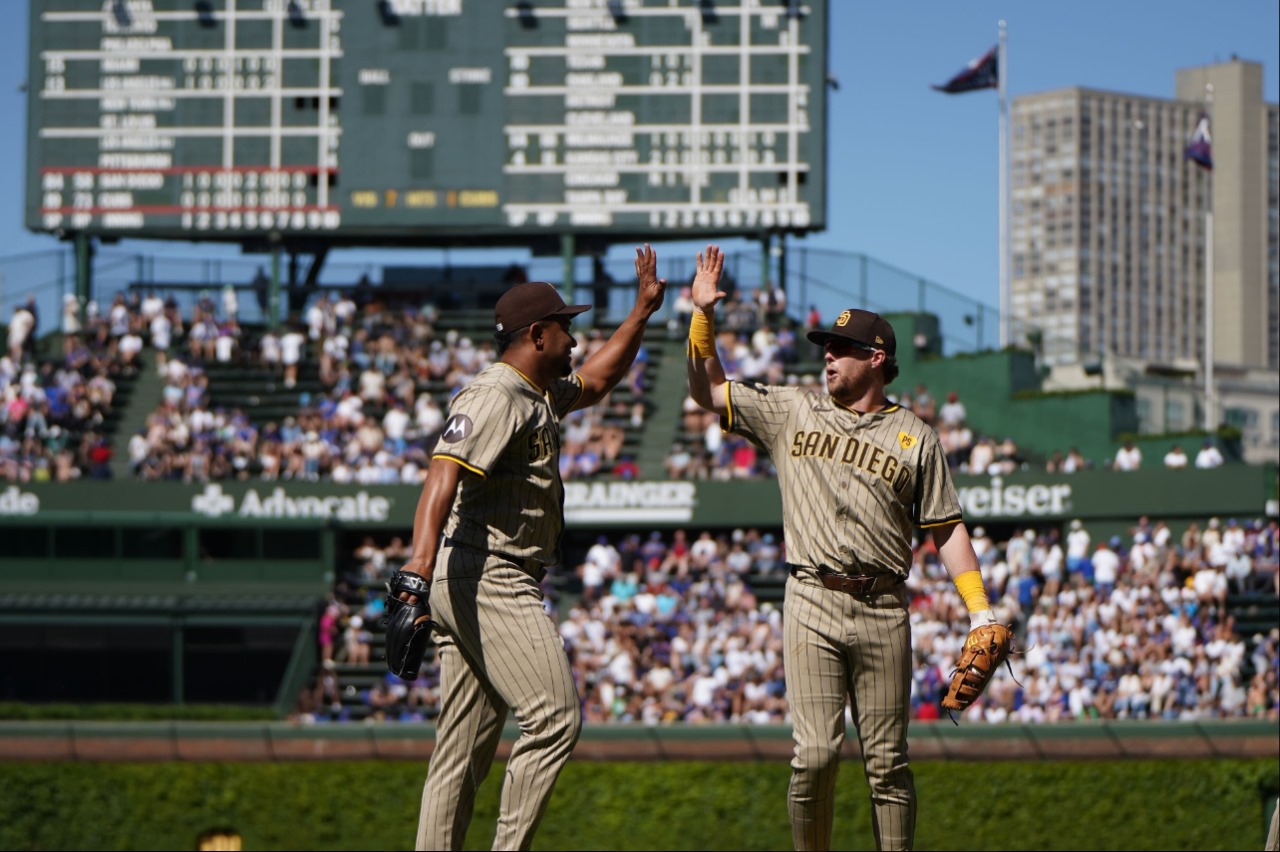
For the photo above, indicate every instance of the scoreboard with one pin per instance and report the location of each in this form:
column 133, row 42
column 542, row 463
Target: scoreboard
column 426, row 121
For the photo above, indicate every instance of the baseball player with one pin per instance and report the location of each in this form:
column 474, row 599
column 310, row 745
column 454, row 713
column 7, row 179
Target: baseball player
column 857, row 474
column 487, row 527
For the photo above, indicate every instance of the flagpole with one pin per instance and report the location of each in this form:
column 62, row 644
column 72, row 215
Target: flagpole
column 1210, row 401
column 1210, row 397
column 1002, row 77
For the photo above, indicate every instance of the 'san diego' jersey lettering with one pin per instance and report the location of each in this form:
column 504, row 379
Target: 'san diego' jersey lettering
column 854, row 486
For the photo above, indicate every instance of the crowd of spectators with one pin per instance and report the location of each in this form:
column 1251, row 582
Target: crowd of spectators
column 756, row 342
column 386, row 372
column 54, row 409
column 365, row 422
column 384, row 376
column 1129, row 457
column 669, row 628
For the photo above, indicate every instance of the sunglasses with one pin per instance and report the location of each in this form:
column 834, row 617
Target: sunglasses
column 844, row 346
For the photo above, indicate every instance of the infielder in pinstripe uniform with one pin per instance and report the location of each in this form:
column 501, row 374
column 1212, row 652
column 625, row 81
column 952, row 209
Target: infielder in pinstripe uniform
column 857, row 474
column 487, row 526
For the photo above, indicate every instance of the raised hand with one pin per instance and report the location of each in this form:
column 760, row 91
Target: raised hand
column 706, row 283
column 652, row 289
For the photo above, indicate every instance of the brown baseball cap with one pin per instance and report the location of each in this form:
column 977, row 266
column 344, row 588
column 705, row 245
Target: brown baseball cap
column 530, row 302
column 867, row 329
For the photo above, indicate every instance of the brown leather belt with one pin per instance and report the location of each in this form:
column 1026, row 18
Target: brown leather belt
column 858, row 585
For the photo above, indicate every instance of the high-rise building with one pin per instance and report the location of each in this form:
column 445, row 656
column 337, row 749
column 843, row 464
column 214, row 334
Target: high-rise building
column 1108, row 230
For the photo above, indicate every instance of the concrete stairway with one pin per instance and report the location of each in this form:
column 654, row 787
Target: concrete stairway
column 666, row 396
column 145, row 389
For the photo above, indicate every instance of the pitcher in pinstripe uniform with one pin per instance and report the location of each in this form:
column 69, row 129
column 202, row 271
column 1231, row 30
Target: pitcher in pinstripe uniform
column 857, row 474
column 487, row 527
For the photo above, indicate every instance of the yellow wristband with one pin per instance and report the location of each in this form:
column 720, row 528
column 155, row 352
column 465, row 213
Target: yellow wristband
column 969, row 584
column 702, row 335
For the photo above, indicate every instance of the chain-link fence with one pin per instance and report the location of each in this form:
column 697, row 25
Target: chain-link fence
column 47, row 277
column 828, row 280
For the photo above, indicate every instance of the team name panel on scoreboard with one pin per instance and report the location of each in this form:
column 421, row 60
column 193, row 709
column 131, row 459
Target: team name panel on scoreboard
column 426, row 120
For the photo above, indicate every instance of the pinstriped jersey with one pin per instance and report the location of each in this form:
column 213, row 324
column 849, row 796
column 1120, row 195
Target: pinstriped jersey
column 853, row 485
column 505, row 430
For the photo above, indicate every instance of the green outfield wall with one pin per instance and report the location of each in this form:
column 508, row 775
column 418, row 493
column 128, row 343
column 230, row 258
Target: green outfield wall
column 92, row 741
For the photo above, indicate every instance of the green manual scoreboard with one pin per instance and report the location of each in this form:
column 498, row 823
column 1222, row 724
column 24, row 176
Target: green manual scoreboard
column 426, row 121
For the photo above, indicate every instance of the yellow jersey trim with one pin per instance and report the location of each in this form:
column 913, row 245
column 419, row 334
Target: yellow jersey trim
column 582, row 388
column 523, row 376
column 728, row 405
column 460, row 462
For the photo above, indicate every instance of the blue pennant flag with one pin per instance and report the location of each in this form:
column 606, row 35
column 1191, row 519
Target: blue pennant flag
column 1199, row 148
column 981, row 73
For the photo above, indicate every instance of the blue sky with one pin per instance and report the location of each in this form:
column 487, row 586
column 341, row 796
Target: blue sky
column 912, row 173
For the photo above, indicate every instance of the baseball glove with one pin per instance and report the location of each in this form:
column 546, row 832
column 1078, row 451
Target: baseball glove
column 408, row 624
column 986, row 647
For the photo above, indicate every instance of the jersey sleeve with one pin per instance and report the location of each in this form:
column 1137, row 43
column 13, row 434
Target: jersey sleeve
column 757, row 412
column 937, row 503
column 482, row 421
column 565, row 394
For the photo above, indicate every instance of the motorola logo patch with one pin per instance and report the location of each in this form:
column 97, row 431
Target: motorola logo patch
column 458, row 428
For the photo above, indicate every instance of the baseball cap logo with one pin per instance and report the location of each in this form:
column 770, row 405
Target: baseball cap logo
column 879, row 340
column 458, row 428
column 844, row 318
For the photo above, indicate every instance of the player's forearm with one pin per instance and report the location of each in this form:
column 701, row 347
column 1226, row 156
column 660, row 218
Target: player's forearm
column 707, row 383
column 706, row 373
column 603, row 370
column 956, row 552
column 955, row 549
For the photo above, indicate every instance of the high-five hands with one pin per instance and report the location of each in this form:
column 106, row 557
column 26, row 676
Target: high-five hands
column 652, row 289
column 706, row 283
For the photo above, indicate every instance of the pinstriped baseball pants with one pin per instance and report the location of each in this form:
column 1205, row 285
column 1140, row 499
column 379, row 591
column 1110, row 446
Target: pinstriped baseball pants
column 498, row 650
column 838, row 647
